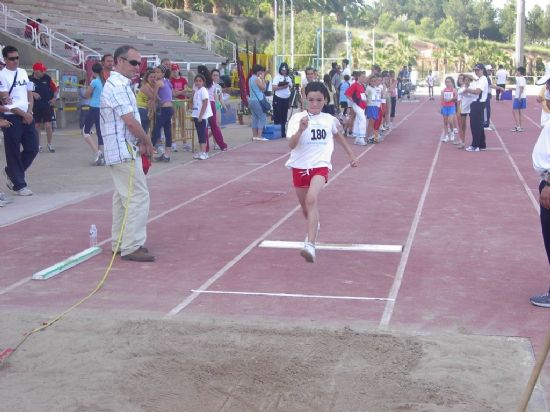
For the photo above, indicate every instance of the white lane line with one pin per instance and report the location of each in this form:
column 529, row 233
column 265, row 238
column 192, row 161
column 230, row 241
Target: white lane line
column 350, row 247
column 388, row 310
column 187, row 301
column 287, row 295
column 528, row 190
column 532, row 121
column 152, row 219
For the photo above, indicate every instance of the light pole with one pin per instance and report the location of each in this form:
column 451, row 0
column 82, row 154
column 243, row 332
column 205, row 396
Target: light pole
column 520, row 31
column 275, row 34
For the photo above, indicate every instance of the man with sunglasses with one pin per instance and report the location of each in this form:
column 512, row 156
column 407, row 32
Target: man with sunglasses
column 16, row 95
column 124, row 142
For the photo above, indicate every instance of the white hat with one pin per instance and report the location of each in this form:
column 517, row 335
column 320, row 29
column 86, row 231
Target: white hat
column 488, row 67
column 546, row 76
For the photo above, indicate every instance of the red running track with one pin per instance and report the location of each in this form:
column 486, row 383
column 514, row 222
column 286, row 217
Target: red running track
column 473, row 249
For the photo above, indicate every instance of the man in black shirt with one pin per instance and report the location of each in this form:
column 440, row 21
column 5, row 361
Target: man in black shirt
column 44, row 100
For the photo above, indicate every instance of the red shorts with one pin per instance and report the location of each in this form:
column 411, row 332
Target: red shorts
column 302, row 177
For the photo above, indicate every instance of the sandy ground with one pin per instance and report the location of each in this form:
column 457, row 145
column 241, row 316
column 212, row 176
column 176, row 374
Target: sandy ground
column 94, row 362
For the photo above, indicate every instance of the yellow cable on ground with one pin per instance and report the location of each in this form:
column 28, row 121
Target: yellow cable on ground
column 8, row 352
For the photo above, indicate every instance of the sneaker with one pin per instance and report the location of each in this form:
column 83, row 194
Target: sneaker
column 197, row 155
column 39, row 149
column 203, row 156
column 541, row 300
column 444, row 137
column 514, row 129
column 489, row 128
column 472, row 149
column 360, row 141
column 51, row 148
column 5, row 198
column 371, row 140
column 308, row 252
column 174, row 147
column 162, row 158
column 187, row 147
column 99, row 159
column 483, row 149
column 519, row 129
column 455, row 130
column 461, row 145
column 24, row 192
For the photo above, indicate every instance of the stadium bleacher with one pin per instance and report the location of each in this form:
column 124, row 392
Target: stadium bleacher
column 103, row 25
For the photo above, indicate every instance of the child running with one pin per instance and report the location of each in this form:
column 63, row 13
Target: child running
column 448, row 109
column 311, row 134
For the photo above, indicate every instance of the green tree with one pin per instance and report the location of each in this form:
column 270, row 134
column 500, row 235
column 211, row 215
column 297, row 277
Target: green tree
column 426, row 28
column 534, row 24
column 507, row 20
column 448, row 29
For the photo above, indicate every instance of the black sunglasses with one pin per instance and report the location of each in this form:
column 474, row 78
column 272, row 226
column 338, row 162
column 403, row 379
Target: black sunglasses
column 13, row 58
column 132, row 62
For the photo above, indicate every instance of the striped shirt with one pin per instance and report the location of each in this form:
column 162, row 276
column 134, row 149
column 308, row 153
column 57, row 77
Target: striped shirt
column 117, row 99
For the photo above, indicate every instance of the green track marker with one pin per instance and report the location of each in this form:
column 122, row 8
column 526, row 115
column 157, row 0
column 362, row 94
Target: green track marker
column 67, row 263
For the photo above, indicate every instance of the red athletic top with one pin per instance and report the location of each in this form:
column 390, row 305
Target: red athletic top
column 448, row 94
column 179, row 84
column 356, row 92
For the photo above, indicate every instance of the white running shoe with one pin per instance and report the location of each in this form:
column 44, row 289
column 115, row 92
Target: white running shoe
column 455, row 130
column 197, row 155
column 360, row 141
column 308, row 252
column 174, row 147
column 24, row 192
column 472, row 149
column 203, row 156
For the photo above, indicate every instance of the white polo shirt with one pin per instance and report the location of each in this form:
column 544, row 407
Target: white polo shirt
column 19, row 94
column 316, row 143
column 282, row 93
column 483, row 85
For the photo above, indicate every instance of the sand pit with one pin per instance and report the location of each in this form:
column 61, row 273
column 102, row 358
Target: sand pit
column 99, row 364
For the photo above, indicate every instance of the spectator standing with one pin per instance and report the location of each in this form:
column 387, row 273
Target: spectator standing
column 393, row 96
column 501, row 75
column 146, row 99
column 15, row 85
column 345, row 68
column 281, row 98
column 430, row 81
column 201, row 112
column 520, row 98
column 179, row 83
column 357, row 94
column 107, row 63
column 256, row 85
column 165, row 113
column 93, row 92
column 212, row 120
column 125, row 142
column 44, row 100
column 480, row 88
column 488, row 72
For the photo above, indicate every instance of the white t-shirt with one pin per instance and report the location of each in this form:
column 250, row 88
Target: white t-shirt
column 347, row 71
column 282, row 93
column 466, row 100
column 430, row 80
column 501, row 76
column 316, row 143
column 483, row 85
column 198, row 97
column 541, row 151
column 19, row 93
column 520, row 82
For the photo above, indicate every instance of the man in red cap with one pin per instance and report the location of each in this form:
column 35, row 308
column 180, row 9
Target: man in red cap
column 44, row 100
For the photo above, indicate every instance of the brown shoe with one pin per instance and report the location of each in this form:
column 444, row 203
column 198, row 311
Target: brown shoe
column 139, row 255
column 141, row 247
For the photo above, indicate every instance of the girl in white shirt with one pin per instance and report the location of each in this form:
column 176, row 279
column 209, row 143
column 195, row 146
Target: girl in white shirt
column 202, row 111
column 311, row 136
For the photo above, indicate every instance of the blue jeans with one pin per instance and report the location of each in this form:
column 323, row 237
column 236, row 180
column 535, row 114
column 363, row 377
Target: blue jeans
column 201, row 130
column 145, row 122
column 93, row 119
column 16, row 136
column 259, row 118
column 163, row 121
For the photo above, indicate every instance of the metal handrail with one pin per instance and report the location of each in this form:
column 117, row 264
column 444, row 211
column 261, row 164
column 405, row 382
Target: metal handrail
column 45, row 32
column 208, row 36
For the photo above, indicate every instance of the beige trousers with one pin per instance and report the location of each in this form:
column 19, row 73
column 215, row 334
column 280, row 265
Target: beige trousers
column 135, row 231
